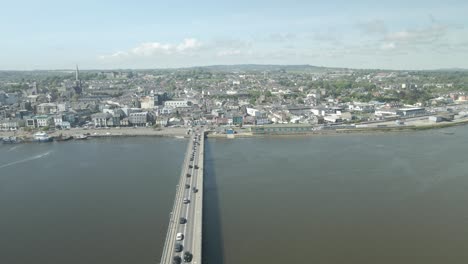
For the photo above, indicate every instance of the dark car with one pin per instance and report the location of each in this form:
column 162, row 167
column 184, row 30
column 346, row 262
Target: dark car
column 188, row 175
column 178, row 247
column 195, row 190
column 187, row 256
column 187, row 186
column 196, row 167
column 176, row 260
column 186, row 201
column 190, row 166
column 191, row 159
column 182, row 220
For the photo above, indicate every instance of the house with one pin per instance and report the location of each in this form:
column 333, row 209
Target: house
column 148, row 102
column 31, row 122
column 100, row 119
column 162, row 121
column 58, row 120
column 237, row 120
column 10, row 124
column 138, row 119
column 46, row 108
column 44, row 120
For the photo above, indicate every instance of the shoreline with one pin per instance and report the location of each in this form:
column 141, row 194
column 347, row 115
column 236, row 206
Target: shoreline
column 182, row 132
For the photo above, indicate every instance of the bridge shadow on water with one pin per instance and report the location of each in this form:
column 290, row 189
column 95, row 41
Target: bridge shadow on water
column 213, row 246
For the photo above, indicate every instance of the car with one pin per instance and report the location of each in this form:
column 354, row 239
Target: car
column 178, row 247
column 179, row 237
column 191, row 159
column 187, row 256
column 186, row 201
column 190, row 166
column 187, row 186
column 176, row 260
column 182, row 220
column 196, row 167
column 188, row 175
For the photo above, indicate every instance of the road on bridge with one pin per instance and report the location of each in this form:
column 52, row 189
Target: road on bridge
column 186, row 216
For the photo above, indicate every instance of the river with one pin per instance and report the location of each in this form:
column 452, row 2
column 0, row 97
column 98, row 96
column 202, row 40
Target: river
column 383, row 198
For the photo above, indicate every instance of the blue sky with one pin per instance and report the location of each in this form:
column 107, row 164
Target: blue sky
column 158, row 34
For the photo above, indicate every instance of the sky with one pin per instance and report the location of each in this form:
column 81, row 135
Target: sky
column 410, row 34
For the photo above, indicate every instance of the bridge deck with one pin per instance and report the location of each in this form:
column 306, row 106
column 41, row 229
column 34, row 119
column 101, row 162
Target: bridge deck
column 191, row 211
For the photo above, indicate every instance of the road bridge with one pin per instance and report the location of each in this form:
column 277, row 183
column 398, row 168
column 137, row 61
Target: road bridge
column 184, row 234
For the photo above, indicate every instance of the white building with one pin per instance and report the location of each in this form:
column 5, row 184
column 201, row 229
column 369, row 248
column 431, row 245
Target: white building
column 332, row 118
column 178, row 103
column 148, row 102
column 43, row 121
column 253, row 112
column 58, row 120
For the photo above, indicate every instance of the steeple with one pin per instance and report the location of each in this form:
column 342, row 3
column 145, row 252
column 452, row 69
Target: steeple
column 77, row 73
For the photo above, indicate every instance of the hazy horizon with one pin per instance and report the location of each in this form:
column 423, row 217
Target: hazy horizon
column 396, row 35
column 229, row 65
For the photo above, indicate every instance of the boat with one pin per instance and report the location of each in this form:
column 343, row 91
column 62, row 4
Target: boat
column 42, row 137
column 81, row 137
column 63, row 138
column 10, row 140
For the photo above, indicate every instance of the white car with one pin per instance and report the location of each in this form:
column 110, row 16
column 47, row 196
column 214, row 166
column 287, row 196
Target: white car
column 179, row 236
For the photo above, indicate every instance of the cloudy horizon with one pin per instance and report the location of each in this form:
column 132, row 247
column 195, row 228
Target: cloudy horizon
column 153, row 34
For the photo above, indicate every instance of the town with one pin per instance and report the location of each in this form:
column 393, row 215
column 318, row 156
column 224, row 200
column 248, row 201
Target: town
column 229, row 100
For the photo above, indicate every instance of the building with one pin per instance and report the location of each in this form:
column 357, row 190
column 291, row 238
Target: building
column 237, row 120
column 148, row 102
column 31, row 122
column 44, row 120
column 11, row 124
column 386, row 112
column 58, row 120
column 415, row 111
column 101, row 119
column 46, row 108
column 262, row 121
column 177, row 103
column 281, row 129
column 253, row 112
column 138, row 119
column 332, row 118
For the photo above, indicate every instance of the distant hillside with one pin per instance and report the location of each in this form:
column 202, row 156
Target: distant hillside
column 262, row 68
column 452, row 70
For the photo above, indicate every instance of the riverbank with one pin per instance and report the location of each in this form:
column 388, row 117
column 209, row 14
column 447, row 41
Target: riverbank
column 111, row 132
column 364, row 130
column 182, row 132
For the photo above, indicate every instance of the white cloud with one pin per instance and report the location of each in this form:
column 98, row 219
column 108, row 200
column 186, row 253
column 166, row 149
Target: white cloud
column 388, row 46
column 188, row 44
column 150, row 49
